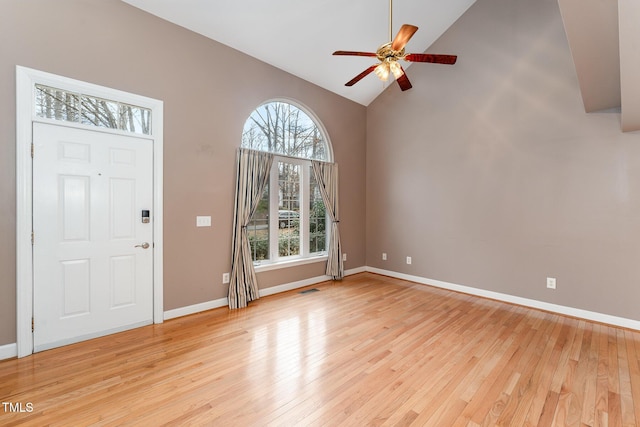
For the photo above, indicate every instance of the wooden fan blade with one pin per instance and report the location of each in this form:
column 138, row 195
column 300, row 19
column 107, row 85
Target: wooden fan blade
column 402, row 38
column 360, row 76
column 351, row 53
column 403, row 81
column 426, row 57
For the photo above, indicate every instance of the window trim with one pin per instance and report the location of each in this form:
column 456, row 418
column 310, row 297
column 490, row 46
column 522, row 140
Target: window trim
column 275, row 265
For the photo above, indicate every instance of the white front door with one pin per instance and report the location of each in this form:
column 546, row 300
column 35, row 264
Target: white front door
column 92, row 251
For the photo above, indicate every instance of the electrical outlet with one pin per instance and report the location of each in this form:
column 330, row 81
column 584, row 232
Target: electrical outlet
column 384, row 256
column 344, row 257
column 408, row 260
column 225, row 278
column 551, row 282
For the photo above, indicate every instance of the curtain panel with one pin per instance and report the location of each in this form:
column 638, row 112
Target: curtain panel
column 252, row 178
column 326, row 175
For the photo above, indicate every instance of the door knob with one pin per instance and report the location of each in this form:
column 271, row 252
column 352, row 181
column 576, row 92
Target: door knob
column 145, row 245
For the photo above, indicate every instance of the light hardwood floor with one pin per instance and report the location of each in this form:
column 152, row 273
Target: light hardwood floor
column 369, row 350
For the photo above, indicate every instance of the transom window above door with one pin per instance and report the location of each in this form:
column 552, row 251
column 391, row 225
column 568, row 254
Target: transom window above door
column 64, row 105
column 290, row 222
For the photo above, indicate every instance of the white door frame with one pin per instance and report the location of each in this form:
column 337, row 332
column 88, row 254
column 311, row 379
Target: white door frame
column 26, row 79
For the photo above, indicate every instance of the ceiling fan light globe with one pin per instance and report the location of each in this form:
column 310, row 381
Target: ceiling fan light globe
column 396, row 69
column 382, row 71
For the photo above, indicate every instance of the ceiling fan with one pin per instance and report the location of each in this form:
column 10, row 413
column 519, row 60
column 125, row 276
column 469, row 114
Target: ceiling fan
column 389, row 53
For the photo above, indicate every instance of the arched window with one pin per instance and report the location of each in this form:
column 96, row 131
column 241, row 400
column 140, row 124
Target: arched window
column 291, row 220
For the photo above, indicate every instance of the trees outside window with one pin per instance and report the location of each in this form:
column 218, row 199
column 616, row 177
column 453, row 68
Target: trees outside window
column 58, row 104
column 290, row 221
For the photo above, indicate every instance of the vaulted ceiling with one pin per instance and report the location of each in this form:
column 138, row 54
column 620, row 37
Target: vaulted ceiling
column 300, row 36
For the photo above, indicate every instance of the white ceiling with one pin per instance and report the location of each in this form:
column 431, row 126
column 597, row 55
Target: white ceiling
column 300, row 36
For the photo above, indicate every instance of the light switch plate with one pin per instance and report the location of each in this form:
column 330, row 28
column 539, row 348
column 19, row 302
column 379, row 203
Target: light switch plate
column 203, row 221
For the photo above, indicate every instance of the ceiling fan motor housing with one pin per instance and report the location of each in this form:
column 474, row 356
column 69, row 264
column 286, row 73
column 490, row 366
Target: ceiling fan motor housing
column 386, row 53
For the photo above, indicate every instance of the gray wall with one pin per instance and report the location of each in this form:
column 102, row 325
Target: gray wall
column 488, row 173
column 107, row 42
column 491, row 175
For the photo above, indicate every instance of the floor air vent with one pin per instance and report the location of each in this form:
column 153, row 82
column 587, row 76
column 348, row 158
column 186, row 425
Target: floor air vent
column 308, row 291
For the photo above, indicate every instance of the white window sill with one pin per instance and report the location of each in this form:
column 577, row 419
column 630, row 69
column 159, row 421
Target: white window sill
column 267, row 266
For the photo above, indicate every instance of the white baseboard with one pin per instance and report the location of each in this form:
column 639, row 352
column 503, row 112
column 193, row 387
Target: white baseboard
column 8, row 351
column 526, row 302
column 196, row 308
column 222, row 302
column 357, row 270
